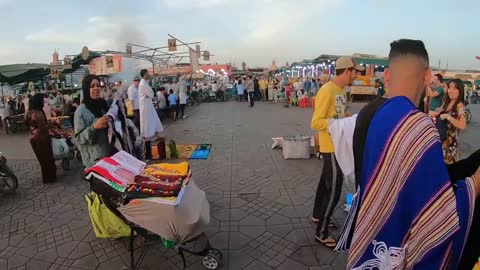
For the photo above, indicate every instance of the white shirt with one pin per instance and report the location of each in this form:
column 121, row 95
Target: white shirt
column 133, row 96
column 162, row 102
column 341, row 131
column 298, row 86
column 26, row 103
column 182, row 92
column 47, row 110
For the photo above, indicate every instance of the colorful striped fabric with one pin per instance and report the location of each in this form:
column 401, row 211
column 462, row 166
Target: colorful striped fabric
column 409, row 214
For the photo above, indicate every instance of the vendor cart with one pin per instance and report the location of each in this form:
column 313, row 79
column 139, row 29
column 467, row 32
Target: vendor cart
column 178, row 225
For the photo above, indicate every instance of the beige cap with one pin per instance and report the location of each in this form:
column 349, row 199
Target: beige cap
column 346, row 62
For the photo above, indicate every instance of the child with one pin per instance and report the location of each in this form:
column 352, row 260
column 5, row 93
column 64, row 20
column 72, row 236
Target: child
column 293, row 98
column 172, row 100
column 276, row 94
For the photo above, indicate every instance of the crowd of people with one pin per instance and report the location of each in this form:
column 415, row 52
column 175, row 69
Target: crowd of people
column 250, row 88
column 415, row 202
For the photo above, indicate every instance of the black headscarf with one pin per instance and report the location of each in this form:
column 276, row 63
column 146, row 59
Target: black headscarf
column 96, row 106
column 36, row 102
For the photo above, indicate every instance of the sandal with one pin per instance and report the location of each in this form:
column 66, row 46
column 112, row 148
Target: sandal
column 327, row 242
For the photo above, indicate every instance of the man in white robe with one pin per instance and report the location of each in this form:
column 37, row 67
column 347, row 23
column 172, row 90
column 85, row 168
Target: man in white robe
column 150, row 124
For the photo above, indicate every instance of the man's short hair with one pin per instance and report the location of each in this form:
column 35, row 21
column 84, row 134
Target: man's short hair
column 403, row 47
column 439, row 77
column 143, row 72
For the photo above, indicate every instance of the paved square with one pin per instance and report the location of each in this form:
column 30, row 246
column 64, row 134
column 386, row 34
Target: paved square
column 260, row 203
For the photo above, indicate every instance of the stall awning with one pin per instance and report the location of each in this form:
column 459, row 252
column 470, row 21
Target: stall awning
column 19, row 73
column 372, row 61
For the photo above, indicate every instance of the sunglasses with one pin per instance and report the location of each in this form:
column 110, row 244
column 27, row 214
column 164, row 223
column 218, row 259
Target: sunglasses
column 94, row 85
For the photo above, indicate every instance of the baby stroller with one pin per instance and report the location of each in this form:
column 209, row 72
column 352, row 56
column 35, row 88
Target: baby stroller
column 160, row 219
column 65, row 147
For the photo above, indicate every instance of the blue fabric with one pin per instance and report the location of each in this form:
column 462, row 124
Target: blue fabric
column 200, row 154
column 240, row 89
column 307, row 85
column 427, row 178
column 172, row 99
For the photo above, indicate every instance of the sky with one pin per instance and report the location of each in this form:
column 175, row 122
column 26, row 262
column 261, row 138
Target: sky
column 254, row 31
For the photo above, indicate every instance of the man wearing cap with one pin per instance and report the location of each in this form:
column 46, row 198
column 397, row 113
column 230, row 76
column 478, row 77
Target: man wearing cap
column 133, row 98
column 330, row 103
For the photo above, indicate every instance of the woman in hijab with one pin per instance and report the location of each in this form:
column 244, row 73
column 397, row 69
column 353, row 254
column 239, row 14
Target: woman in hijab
column 40, row 138
column 91, row 123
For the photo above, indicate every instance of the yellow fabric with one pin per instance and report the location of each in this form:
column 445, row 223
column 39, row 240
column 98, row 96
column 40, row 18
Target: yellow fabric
column 262, row 84
column 179, row 169
column 129, row 108
column 185, row 151
column 105, row 223
column 330, row 103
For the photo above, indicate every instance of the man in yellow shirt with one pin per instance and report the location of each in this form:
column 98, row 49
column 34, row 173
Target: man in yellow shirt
column 330, row 103
column 263, row 88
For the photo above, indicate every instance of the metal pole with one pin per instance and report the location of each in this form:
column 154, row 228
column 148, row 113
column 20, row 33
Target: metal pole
column 153, row 73
column 3, row 97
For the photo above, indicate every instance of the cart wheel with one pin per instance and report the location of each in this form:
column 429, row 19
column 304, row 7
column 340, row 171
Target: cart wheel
column 66, row 164
column 212, row 259
column 79, row 156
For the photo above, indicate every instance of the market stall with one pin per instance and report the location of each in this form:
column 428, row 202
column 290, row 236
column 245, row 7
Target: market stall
column 156, row 200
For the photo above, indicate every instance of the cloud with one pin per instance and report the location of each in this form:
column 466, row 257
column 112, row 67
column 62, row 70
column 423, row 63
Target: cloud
column 52, row 35
column 100, row 33
column 282, row 30
column 197, row 3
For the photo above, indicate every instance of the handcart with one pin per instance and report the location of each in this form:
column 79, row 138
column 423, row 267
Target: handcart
column 72, row 148
column 177, row 226
column 15, row 123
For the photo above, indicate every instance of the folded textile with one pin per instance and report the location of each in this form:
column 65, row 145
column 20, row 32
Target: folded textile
column 106, row 181
column 147, row 182
column 200, row 154
column 121, row 168
column 143, row 192
column 111, row 170
column 165, row 171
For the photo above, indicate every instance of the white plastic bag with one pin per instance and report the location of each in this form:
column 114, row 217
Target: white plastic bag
column 60, row 148
column 296, row 147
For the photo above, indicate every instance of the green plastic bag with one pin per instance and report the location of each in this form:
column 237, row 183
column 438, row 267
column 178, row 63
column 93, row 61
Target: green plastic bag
column 105, row 223
column 168, row 243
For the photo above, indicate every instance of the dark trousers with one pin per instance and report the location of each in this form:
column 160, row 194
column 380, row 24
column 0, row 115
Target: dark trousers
column 42, row 147
column 181, row 108
column 328, row 193
column 136, row 121
column 241, row 97
column 250, row 98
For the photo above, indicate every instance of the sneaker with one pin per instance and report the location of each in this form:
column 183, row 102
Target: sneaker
column 315, row 220
column 185, row 116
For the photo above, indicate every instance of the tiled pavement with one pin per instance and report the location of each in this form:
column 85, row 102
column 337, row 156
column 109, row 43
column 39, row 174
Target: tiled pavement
column 260, row 203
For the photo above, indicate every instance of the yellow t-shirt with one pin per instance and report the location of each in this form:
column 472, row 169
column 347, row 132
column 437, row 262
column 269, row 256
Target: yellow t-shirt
column 262, row 84
column 330, row 103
